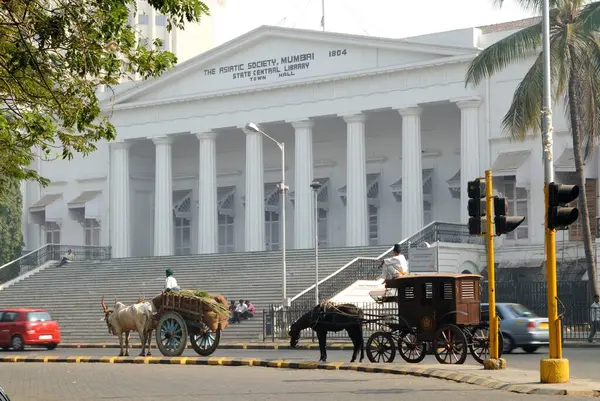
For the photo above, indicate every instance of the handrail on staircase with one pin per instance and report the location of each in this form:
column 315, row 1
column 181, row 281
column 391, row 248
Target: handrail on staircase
column 24, row 256
column 47, row 252
column 341, row 269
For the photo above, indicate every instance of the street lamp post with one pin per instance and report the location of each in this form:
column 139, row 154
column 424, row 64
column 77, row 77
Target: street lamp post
column 282, row 188
column 315, row 186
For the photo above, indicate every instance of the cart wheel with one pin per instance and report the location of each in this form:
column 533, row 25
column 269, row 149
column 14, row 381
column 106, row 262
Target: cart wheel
column 411, row 349
column 381, row 348
column 450, row 345
column 479, row 343
column 171, row 334
column 205, row 343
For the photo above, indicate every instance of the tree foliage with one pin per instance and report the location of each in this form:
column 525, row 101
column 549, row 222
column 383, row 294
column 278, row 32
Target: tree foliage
column 11, row 237
column 53, row 56
column 575, row 76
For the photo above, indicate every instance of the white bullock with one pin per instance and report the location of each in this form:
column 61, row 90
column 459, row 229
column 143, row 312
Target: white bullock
column 122, row 319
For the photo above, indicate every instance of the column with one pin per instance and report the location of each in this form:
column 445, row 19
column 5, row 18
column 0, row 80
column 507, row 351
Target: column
column 304, row 226
column 208, row 226
column 469, row 150
column 163, row 198
column 255, row 193
column 119, row 193
column 412, row 171
column 357, row 225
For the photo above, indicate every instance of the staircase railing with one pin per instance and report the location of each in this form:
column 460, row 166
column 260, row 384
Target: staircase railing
column 36, row 258
column 369, row 268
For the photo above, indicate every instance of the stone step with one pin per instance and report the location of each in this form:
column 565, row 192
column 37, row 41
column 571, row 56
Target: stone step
column 72, row 293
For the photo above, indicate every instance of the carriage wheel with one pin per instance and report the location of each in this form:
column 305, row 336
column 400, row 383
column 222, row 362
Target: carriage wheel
column 205, row 343
column 171, row 334
column 479, row 343
column 411, row 349
column 450, row 345
column 381, row 348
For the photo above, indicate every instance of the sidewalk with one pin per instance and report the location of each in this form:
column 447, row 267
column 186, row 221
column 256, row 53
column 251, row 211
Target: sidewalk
column 284, row 344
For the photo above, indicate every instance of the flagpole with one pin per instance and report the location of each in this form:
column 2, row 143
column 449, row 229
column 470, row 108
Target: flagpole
column 323, row 14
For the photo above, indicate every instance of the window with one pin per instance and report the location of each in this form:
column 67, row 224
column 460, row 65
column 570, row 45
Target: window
column 323, row 227
column 8, row 317
column 226, row 231
column 517, row 198
column 38, row 317
column 182, row 223
column 427, row 212
column 272, row 231
column 520, row 311
column 183, row 243
column 92, row 232
column 373, row 225
column 143, row 19
column 160, row 20
column 52, row 233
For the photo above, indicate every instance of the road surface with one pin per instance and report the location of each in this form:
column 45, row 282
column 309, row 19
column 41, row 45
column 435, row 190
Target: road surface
column 583, row 362
column 101, row 382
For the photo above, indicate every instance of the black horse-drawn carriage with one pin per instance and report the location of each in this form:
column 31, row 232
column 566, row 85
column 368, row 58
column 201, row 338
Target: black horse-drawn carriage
column 435, row 311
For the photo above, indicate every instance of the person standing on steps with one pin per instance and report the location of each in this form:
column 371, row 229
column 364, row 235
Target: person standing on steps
column 170, row 281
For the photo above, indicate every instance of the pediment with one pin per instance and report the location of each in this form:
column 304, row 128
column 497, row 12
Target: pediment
column 272, row 56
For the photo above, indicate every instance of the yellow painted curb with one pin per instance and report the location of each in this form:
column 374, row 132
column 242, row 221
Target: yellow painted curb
column 459, row 377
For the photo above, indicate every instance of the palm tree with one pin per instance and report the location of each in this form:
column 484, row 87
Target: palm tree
column 575, row 72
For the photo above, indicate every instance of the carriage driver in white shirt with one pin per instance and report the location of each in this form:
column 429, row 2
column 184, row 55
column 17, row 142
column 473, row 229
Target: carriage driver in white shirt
column 395, row 266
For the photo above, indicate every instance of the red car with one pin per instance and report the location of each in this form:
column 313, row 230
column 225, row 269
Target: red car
column 21, row 327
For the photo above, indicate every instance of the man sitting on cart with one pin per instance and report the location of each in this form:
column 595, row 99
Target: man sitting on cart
column 170, row 282
column 395, row 266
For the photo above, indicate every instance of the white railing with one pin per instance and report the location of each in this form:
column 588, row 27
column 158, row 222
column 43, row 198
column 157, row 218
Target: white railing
column 341, row 269
column 45, row 253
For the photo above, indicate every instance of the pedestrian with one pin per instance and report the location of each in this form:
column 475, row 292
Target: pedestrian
column 594, row 317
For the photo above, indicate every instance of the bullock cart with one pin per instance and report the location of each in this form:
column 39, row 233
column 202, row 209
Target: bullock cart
column 441, row 312
column 179, row 317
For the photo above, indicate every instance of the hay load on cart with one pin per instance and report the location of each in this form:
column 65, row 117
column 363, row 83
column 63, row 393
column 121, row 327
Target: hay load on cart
column 197, row 314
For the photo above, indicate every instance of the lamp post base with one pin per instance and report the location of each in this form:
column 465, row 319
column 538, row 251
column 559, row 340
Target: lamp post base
column 554, row 370
column 494, row 364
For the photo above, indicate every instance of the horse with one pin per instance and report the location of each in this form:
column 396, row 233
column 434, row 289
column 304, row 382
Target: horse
column 326, row 317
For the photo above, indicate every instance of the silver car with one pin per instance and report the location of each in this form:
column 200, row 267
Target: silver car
column 521, row 328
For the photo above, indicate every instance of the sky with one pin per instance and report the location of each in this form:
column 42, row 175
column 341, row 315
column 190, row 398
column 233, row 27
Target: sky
column 384, row 18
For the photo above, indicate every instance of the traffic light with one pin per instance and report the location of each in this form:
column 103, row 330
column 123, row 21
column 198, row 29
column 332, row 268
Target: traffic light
column 559, row 196
column 505, row 224
column 476, row 207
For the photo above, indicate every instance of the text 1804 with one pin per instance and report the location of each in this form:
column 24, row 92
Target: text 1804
column 337, row 53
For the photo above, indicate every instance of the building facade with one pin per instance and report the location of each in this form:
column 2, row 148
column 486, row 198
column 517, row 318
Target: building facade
column 387, row 127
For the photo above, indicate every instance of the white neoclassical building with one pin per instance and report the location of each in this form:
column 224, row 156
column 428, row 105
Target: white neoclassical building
column 386, row 125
